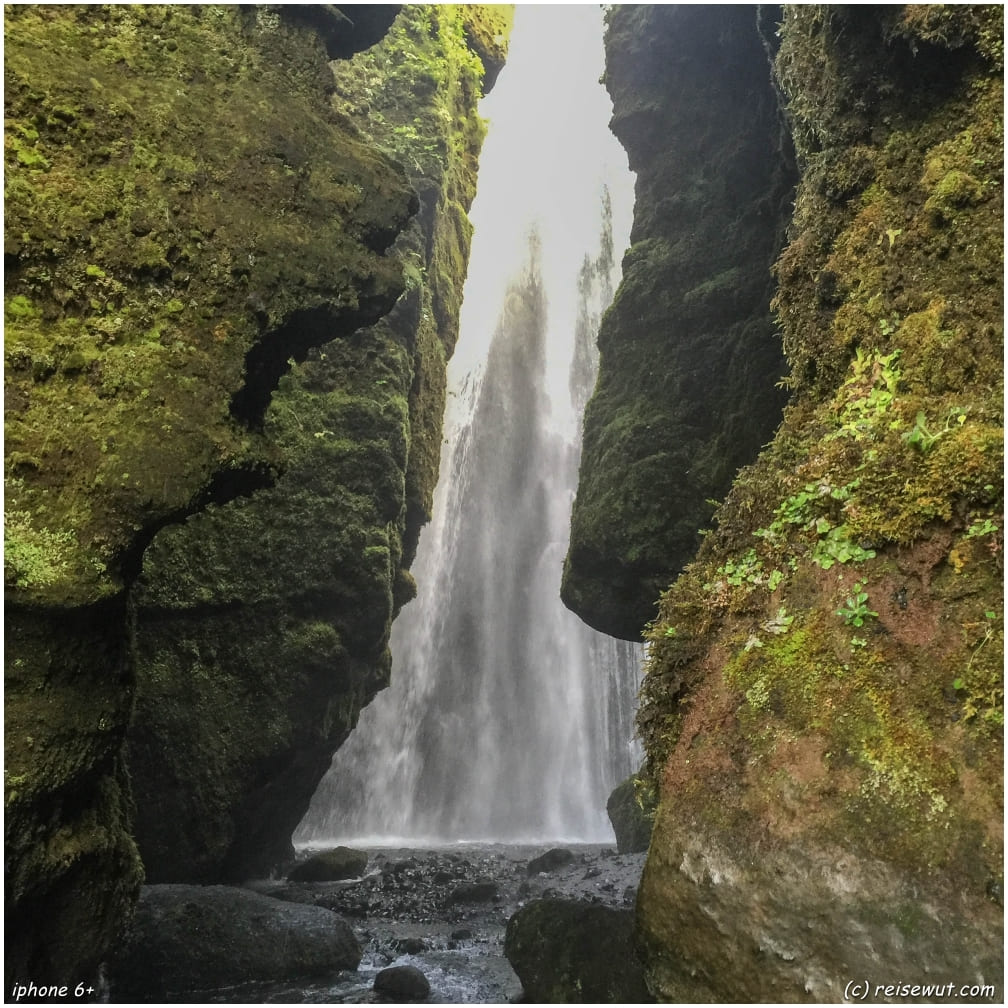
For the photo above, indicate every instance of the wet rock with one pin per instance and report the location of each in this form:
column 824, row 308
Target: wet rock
column 570, row 952
column 474, row 892
column 410, row 946
column 461, row 934
column 404, row 983
column 631, row 809
column 550, row 861
column 189, row 938
column 330, row 865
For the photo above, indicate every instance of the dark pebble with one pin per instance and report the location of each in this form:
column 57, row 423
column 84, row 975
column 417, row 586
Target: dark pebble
column 405, row 982
column 411, row 946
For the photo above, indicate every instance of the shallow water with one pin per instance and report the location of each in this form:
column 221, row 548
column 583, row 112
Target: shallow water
column 408, row 895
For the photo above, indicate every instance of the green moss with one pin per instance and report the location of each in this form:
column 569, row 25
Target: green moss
column 891, row 309
column 688, row 353
column 133, row 259
column 33, row 558
column 314, row 567
column 19, row 307
column 954, row 192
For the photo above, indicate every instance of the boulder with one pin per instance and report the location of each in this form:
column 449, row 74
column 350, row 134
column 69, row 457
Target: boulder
column 474, row 892
column 405, row 983
column 570, row 952
column 190, row 938
column 410, row 945
column 550, row 861
column 631, row 809
column 330, row 866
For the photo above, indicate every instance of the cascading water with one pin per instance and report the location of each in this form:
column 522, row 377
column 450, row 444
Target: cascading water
column 508, row 719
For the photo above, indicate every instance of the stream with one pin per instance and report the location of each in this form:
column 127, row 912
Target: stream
column 444, row 911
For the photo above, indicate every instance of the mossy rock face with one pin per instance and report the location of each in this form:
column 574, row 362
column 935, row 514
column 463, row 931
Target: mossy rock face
column 72, row 870
column 153, row 253
column 273, row 610
column 689, row 355
column 186, row 216
column 823, row 703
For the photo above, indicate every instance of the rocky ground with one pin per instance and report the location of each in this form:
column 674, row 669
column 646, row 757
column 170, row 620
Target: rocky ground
column 443, row 912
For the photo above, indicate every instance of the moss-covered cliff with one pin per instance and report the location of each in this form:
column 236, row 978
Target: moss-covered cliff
column 823, row 704
column 273, row 611
column 188, row 215
column 689, row 355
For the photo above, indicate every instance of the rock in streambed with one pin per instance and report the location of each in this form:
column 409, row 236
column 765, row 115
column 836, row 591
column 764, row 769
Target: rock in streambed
column 330, row 866
column 200, row 938
column 573, row 952
column 406, row 983
column 554, row 858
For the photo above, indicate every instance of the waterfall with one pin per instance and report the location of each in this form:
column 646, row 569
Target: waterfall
column 508, row 719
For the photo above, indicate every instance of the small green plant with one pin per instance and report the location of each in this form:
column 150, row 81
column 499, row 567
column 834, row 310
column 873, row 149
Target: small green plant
column 835, row 547
column 923, row 439
column 856, row 611
column 746, row 570
column 869, row 394
column 780, row 623
column 981, row 528
column 806, row 509
column 889, row 326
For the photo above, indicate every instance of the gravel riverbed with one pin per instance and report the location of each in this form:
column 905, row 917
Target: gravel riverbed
column 443, row 911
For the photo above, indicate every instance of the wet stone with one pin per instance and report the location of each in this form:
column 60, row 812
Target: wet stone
column 402, row 982
column 474, row 892
column 550, row 861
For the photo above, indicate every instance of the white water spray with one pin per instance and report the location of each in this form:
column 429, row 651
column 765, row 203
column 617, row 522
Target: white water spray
column 508, row 719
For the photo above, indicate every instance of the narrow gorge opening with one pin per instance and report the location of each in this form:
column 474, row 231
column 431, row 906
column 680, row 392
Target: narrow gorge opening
column 508, row 719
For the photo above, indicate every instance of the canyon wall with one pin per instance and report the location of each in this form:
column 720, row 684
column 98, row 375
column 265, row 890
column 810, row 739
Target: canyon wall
column 689, row 356
column 273, row 611
column 197, row 234
column 823, row 704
